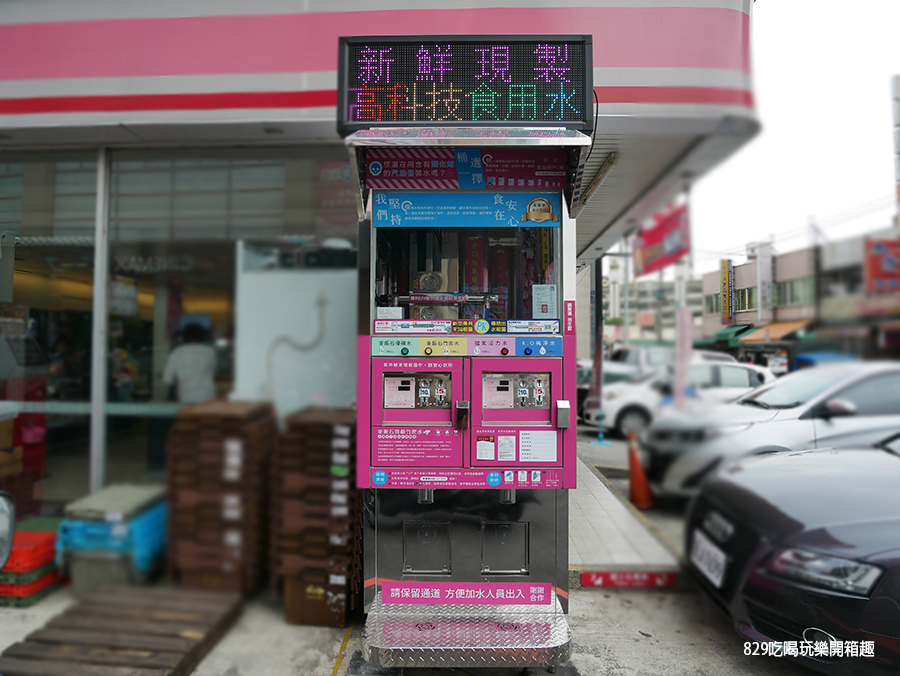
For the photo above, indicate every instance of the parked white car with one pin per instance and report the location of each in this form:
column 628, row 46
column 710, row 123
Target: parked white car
column 635, row 366
column 631, row 406
column 850, row 403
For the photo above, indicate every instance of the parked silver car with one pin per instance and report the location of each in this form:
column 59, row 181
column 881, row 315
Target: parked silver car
column 829, row 406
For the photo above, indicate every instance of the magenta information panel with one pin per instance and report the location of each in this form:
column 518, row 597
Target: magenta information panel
column 467, row 593
column 417, row 446
column 446, row 477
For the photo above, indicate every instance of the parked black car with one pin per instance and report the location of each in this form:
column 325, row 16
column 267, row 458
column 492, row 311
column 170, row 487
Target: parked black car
column 805, row 547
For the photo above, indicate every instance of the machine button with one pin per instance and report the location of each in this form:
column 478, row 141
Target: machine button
column 404, row 351
column 527, row 351
column 504, row 351
column 428, row 350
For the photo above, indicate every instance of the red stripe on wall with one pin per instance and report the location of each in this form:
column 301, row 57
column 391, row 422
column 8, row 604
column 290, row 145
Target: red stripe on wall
column 147, row 102
column 703, row 95
column 328, row 98
column 631, row 37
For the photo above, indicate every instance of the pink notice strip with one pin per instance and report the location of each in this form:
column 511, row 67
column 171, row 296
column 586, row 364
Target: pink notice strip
column 627, row 578
column 467, row 593
column 624, row 37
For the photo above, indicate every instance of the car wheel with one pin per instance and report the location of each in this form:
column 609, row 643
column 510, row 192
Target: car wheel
column 633, row 420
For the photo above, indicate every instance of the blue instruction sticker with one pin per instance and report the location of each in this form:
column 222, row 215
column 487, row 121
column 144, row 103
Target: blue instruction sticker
column 379, row 477
column 494, row 478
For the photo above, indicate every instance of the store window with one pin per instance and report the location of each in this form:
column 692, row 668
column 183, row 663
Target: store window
column 47, row 206
column 190, row 232
column 796, row 291
column 745, row 299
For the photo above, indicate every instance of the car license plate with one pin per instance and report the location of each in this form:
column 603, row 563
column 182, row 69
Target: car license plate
column 709, row 559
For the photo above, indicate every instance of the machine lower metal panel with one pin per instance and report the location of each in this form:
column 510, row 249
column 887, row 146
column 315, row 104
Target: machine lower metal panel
column 431, row 636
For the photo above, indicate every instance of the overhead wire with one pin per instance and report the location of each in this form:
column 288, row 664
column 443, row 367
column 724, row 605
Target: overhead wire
column 823, row 224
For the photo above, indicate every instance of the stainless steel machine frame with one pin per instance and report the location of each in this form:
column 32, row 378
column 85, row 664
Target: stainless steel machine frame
column 464, row 534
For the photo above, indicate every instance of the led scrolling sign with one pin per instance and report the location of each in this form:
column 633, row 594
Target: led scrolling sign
column 447, row 81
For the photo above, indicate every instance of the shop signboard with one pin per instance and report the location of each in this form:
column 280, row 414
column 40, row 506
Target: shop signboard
column 882, row 266
column 428, row 81
column 726, row 278
column 764, row 277
column 664, row 244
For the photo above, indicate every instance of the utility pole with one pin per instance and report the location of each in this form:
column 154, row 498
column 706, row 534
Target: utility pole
column 660, row 296
column 627, row 319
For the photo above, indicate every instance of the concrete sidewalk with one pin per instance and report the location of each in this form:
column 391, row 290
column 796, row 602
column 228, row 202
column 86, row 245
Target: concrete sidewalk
column 606, row 534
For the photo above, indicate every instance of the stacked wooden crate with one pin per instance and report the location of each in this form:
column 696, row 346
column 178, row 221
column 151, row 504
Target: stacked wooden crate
column 316, row 527
column 219, row 455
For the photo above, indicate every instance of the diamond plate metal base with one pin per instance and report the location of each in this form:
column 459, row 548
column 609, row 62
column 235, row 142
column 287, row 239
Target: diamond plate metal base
column 476, row 636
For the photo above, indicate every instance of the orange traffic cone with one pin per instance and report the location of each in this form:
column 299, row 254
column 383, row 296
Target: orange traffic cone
column 639, row 489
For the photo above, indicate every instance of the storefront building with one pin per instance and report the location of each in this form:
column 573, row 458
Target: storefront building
column 836, row 297
column 165, row 166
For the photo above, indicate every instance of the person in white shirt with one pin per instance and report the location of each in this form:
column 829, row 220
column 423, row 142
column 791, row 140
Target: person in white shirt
column 192, row 367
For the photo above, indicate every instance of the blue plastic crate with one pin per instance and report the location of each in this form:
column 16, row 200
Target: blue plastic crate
column 144, row 537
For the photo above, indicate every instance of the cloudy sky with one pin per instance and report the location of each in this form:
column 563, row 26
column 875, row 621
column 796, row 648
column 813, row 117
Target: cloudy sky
column 823, row 82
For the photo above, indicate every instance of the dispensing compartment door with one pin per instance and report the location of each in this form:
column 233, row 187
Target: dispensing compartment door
column 514, row 420
column 414, row 412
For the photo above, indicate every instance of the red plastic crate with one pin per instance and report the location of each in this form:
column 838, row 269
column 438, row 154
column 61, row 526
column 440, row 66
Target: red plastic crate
column 23, row 590
column 30, row 551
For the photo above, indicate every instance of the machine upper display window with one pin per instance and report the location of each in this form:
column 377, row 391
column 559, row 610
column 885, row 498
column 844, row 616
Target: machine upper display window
column 423, row 390
column 467, row 273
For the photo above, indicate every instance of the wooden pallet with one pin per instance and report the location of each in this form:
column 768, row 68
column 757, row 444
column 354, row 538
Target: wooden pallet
column 126, row 631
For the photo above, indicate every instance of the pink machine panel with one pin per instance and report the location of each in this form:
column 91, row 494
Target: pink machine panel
column 510, row 438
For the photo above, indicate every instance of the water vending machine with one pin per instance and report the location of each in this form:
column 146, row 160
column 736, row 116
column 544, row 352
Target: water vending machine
column 468, row 156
